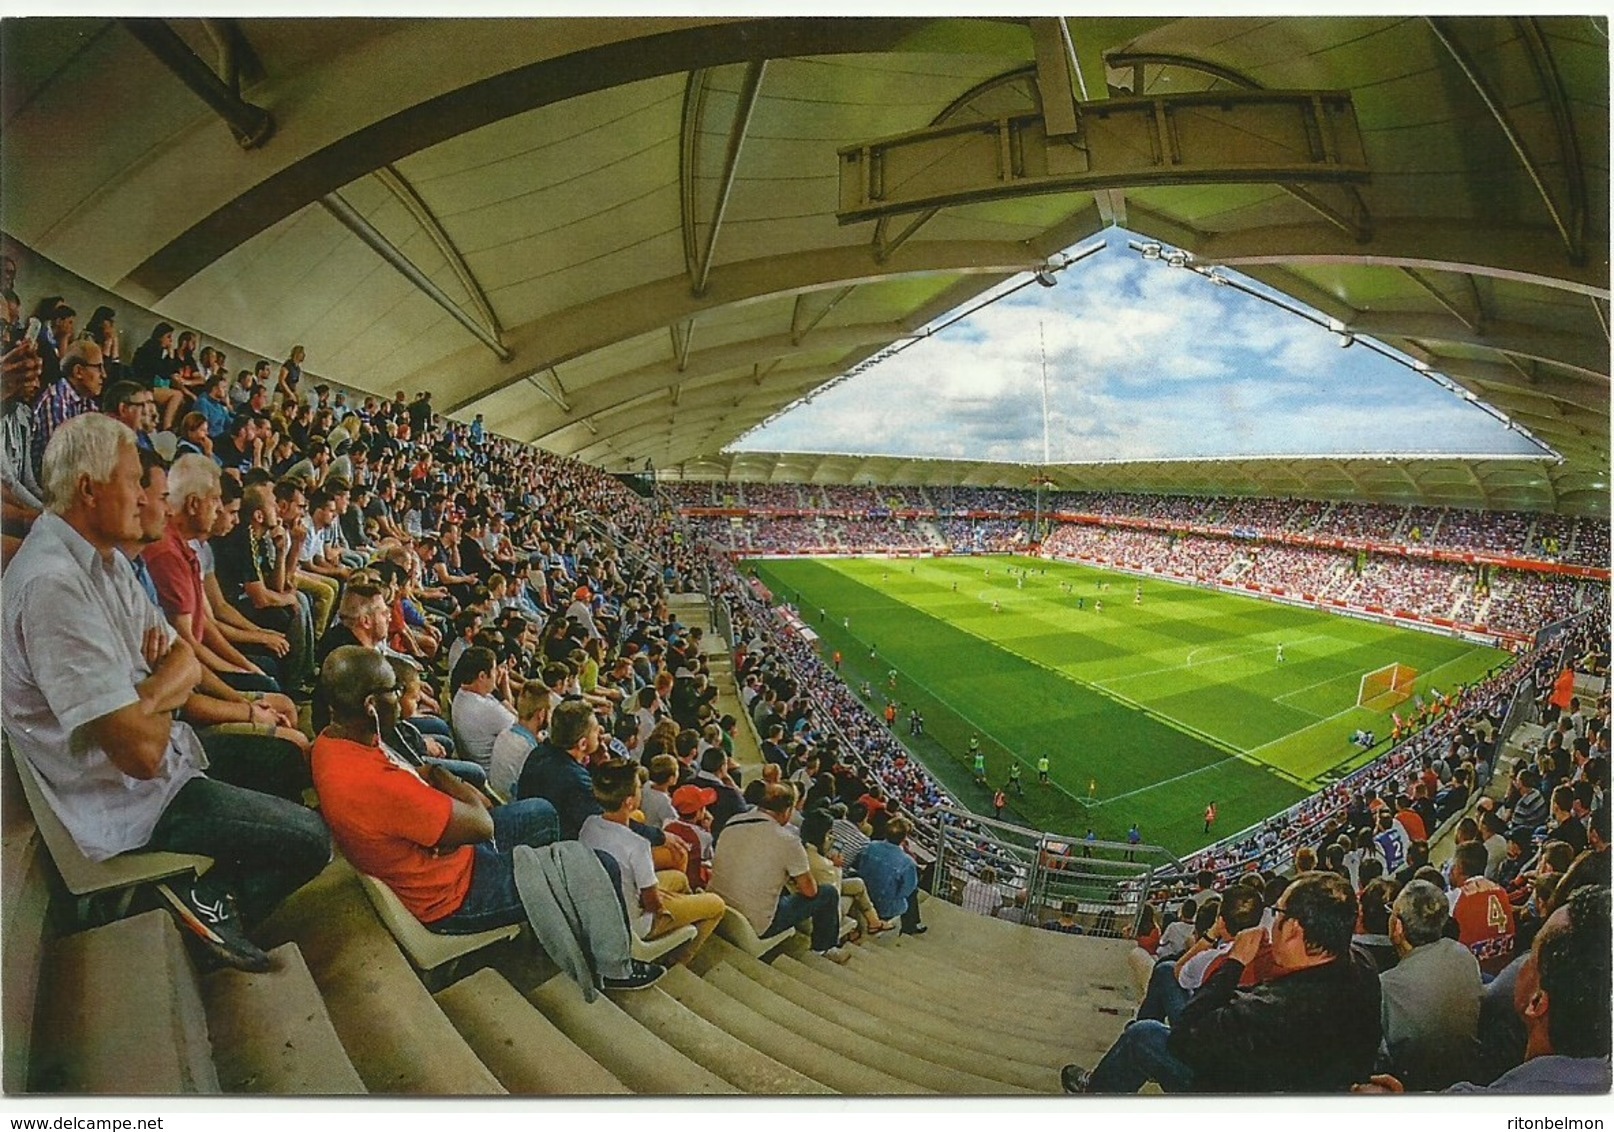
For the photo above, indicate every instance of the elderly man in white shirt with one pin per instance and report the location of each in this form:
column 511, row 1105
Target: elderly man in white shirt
column 93, row 674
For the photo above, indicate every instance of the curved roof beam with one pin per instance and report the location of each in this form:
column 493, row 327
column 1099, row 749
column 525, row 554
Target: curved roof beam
column 1518, row 254
column 404, row 193
column 1572, row 351
column 1583, row 395
column 721, row 362
column 574, row 57
column 464, row 378
column 1571, row 227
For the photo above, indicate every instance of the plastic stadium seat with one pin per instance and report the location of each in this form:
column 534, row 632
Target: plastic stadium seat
column 738, row 930
column 427, row 950
column 86, row 879
column 650, row 950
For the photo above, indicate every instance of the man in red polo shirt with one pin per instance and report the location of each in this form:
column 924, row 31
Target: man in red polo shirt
column 195, row 497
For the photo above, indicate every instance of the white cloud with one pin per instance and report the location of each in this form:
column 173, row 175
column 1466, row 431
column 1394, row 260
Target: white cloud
column 1143, row 361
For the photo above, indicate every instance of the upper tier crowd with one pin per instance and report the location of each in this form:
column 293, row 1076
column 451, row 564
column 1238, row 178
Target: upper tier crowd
column 1580, row 540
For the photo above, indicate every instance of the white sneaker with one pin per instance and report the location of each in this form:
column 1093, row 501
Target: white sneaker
column 836, row 954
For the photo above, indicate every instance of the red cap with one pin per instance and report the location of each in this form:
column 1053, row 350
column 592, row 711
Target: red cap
column 690, row 800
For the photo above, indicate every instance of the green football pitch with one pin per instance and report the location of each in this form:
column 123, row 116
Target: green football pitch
column 1146, row 710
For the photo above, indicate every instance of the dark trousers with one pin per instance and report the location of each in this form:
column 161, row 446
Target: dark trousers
column 249, row 681
column 263, row 848
column 493, row 901
column 1140, row 1055
column 824, row 909
column 264, row 763
column 1165, row 998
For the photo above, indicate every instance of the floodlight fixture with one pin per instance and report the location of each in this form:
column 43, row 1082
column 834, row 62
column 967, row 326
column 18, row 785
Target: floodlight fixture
column 1346, row 340
column 1150, row 251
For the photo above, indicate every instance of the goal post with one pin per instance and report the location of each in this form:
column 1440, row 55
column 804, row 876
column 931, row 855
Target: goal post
column 1383, row 688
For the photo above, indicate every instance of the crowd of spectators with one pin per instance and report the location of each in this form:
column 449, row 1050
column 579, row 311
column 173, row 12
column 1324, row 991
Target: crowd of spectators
column 1411, row 585
column 1579, row 540
column 774, row 496
column 1358, row 521
column 984, row 536
column 483, row 630
column 1298, row 569
column 1522, row 602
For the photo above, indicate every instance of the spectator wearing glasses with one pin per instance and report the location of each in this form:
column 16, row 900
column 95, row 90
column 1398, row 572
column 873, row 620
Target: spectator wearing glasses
column 133, row 404
column 1312, row 1028
column 76, row 392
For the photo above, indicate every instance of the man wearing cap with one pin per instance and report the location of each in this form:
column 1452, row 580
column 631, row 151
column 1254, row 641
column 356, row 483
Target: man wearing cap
column 693, row 827
column 757, row 855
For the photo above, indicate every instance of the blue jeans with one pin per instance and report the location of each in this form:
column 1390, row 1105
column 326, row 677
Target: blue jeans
column 263, row 848
column 493, row 901
column 1140, row 1055
column 469, row 773
column 250, row 681
column 436, row 728
column 1165, row 998
column 825, row 910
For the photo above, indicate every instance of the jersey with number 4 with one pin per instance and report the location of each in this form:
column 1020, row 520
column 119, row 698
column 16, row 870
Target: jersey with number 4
column 1485, row 926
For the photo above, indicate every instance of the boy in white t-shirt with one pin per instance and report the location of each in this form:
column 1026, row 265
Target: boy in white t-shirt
column 658, row 903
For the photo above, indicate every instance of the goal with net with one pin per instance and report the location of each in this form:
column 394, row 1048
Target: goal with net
column 1383, row 688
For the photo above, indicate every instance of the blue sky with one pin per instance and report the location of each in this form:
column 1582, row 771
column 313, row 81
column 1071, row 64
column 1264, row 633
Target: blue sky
column 1144, row 362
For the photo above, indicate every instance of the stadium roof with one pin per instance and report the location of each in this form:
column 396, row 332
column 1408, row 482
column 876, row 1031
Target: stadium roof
column 1392, row 479
column 634, row 239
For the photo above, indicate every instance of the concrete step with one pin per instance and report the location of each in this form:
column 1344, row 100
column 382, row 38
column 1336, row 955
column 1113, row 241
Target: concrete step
column 783, row 1043
column 909, row 1027
column 525, row 1051
column 746, row 1068
column 915, row 1075
column 978, row 976
column 865, row 980
column 121, row 1013
column 992, row 1011
column 271, row 1033
column 395, row 1035
column 638, row 1058
column 1044, row 955
column 26, row 878
column 801, row 1007
column 1027, row 998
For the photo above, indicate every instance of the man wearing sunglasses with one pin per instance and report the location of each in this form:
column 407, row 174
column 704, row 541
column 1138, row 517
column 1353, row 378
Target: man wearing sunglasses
column 1312, row 1027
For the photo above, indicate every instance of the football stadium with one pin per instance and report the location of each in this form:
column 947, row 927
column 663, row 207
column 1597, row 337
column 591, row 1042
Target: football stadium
column 740, row 555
